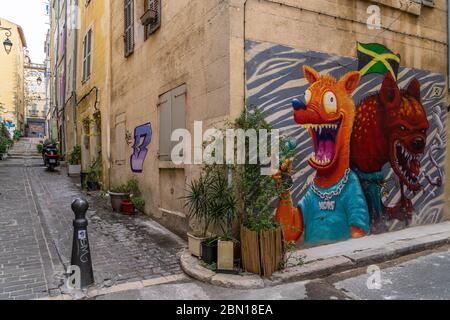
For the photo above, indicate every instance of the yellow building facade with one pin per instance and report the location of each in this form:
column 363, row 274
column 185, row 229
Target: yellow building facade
column 93, row 85
column 12, row 100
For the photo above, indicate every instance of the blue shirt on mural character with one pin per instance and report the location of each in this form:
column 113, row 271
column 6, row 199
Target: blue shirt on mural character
column 335, row 225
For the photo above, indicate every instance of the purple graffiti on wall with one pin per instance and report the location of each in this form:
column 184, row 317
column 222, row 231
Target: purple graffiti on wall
column 142, row 139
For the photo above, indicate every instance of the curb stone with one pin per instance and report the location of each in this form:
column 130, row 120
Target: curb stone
column 319, row 267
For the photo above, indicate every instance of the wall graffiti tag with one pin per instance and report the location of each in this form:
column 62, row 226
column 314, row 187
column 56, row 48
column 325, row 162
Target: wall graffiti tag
column 142, row 139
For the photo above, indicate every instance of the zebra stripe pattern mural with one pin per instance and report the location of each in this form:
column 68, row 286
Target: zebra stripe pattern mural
column 274, row 78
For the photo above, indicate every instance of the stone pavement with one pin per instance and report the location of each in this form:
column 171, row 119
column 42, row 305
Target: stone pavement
column 36, row 233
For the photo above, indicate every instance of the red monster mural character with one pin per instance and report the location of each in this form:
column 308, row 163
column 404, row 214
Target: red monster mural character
column 390, row 128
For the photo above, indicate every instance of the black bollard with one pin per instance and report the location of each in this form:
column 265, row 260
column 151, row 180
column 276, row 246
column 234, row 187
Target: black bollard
column 81, row 254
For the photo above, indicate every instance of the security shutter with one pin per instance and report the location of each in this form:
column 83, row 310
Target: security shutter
column 129, row 27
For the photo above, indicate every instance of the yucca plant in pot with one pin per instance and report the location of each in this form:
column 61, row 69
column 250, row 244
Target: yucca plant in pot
column 208, row 201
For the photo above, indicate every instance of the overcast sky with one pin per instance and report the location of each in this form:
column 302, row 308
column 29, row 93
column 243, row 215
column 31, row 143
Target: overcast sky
column 30, row 14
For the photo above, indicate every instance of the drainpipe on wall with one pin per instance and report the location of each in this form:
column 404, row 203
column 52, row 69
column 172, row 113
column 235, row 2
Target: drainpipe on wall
column 74, row 79
column 108, row 106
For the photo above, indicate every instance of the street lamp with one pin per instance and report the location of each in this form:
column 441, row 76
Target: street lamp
column 39, row 81
column 7, row 44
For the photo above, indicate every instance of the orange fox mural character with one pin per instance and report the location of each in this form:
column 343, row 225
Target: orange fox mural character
column 334, row 207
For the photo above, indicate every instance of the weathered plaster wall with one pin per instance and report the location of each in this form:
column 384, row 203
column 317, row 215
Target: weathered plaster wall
column 191, row 47
column 94, row 94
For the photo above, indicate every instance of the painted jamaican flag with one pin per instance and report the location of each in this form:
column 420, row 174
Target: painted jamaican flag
column 376, row 58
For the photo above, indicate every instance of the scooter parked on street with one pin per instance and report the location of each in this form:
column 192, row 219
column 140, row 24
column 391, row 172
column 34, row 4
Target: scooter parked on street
column 51, row 157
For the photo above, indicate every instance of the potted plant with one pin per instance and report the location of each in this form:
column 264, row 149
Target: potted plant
column 209, row 200
column 225, row 253
column 123, row 192
column 196, row 202
column 261, row 236
column 91, row 178
column 127, row 207
column 138, row 203
column 75, row 161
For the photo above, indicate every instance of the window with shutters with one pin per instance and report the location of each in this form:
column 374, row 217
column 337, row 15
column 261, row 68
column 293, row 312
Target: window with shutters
column 172, row 116
column 153, row 7
column 87, row 55
column 129, row 27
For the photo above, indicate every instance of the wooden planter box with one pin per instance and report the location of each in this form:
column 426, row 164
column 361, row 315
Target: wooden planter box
column 262, row 253
column 195, row 244
column 225, row 256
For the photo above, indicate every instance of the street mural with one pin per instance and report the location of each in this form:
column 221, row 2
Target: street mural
column 370, row 135
column 142, row 139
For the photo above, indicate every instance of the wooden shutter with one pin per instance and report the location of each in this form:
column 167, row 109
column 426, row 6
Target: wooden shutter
column 129, row 27
column 165, row 127
column 154, row 5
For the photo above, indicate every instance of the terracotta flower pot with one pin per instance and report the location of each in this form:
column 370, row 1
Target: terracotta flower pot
column 127, row 207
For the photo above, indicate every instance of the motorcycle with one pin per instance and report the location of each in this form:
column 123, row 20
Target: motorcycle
column 51, row 157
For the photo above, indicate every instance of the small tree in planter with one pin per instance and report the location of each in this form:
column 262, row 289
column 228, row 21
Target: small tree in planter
column 261, row 235
column 75, row 161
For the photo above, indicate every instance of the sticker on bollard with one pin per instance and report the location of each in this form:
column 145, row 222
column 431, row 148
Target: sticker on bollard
column 81, row 253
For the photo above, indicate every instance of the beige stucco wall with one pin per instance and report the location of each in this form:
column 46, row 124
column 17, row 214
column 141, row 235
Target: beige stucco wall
column 12, row 76
column 201, row 44
column 191, row 48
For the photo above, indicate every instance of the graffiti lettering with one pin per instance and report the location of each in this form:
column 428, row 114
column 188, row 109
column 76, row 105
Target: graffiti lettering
column 84, row 249
column 142, row 133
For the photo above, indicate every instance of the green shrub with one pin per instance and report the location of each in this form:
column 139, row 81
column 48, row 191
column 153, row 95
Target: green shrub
column 3, row 146
column 18, row 134
column 75, row 156
column 132, row 186
column 40, row 147
column 138, row 203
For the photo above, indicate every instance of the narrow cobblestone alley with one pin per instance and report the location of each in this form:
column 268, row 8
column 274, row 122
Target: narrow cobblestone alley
column 36, row 233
